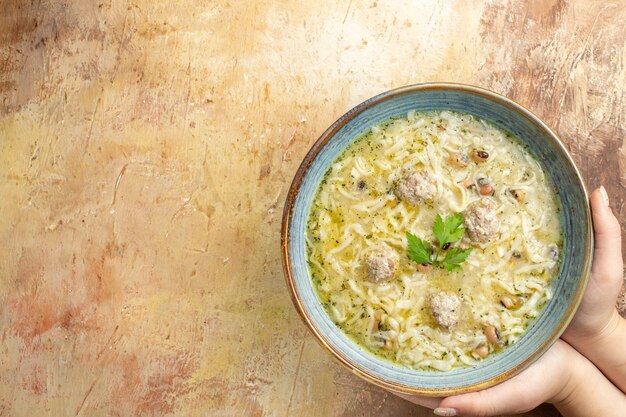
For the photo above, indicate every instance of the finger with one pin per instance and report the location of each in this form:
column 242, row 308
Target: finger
column 607, row 263
column 504, row 398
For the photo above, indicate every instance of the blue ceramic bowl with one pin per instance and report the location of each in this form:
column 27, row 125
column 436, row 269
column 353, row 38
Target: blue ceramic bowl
column 575, row 219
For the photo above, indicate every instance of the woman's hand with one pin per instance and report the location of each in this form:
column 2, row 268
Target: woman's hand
column 597, row 317
column 597, row 330
column 562, row 376
column 545, row 381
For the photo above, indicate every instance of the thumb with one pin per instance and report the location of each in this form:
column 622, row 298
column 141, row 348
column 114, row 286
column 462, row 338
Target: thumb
column 607, row 263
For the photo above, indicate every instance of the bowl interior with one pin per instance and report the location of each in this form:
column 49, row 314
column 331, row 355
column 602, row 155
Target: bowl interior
column 574, row 214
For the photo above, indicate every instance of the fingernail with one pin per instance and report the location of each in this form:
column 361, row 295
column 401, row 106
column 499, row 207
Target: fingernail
column 605, row 196
column 446, row 412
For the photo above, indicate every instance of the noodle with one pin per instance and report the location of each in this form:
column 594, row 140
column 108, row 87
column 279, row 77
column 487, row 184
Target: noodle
column 356, row 211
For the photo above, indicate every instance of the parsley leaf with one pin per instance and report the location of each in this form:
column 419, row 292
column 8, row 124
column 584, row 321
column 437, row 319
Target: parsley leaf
column 454, row 257
column 450, row 230
column 439, row 229
column 419, row 250
column 447, row 232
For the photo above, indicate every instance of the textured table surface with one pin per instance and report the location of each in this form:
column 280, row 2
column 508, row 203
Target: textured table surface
column 145, row 151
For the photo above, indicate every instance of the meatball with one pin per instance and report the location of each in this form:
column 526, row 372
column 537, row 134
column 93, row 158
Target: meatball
column 445, row 308
column 381, row 265
column 481, row 220
column 416, row 187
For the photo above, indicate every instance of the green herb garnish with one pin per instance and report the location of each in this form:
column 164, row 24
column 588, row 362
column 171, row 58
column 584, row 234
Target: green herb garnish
column 449, row 231
column 454, row 257
column 446, row 231
column 419, row 250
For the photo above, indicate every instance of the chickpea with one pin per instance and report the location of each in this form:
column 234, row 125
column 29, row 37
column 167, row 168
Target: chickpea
column 506, row 302
column 486, row 190
column 519, row 195
column 484, row 187
column 458, row 160
column 479, row 155
column 510, row 303
column 480, row 352
column 493, row 336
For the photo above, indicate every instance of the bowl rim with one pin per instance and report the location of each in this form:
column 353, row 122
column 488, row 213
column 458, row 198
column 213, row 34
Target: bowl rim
column 295, row 188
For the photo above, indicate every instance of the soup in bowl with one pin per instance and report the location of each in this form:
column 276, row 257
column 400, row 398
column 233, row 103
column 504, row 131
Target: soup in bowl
column 437, row 239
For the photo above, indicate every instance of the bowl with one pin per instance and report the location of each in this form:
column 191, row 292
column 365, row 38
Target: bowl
column 575, row 217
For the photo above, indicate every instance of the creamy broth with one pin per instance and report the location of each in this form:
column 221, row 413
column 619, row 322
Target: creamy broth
column 357, row 211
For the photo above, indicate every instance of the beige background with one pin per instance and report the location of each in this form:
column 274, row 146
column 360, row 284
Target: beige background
column 145, row 151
